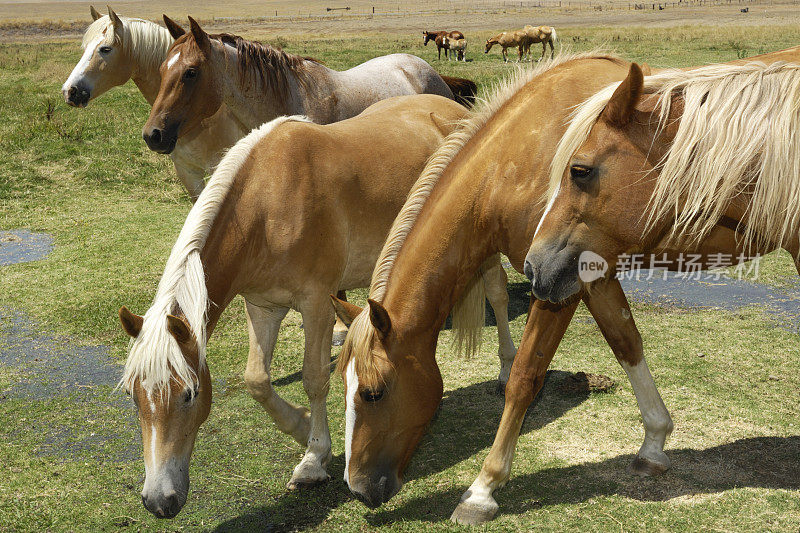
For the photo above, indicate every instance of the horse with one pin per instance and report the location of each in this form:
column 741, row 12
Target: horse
column 117, row 49
column 539, row 34
column 482, row 198
column 259, row 83
column 459, row 46
column 508, row 39
column 438, row 37
column 293, row 212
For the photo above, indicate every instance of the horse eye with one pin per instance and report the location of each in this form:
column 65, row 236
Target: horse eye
column 105, row 49
column 190, row 74
column 371, row 396
column 580, row 173
column 189, row 395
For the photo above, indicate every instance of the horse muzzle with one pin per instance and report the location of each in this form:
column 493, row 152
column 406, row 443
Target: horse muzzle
column 77, row 96
column 161, row 140
column 377, row 490
column 553, row 272
column 164, row 493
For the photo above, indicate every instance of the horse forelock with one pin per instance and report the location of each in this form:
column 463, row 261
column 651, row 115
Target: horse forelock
column 155, row 356
column 144, row 42
column 738, row 139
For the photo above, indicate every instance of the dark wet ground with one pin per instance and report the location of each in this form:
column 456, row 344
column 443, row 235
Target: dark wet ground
column 23, row 246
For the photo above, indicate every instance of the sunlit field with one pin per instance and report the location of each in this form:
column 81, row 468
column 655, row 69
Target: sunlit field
column 70, row 456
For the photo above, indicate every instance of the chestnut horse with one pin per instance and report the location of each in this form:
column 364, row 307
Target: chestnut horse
column 294, row 211
column 259, row 83
column 484, row 198
column 438, row 37
column 118, row 49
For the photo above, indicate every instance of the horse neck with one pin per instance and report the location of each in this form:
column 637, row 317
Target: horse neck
column 146, row 74
column 441, row 254
column 253, row 106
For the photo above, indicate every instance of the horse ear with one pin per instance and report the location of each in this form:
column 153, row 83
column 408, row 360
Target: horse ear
column 379, row 318
column 346, row 311
column 646, row 70
column 95, row 14
column 132, row 324
column 173, row 27
column 179, row 329
column 115, row 20
column 622, row 104
column 441, row 124
column 199, row 34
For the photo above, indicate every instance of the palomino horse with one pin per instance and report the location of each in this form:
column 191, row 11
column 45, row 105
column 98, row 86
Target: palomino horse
column 459, row 46
column 508, row 39
column 117, row 49
column 539, row 34
column 484, row 198
column 438, row 37
column 332, row 193
column 259, row 83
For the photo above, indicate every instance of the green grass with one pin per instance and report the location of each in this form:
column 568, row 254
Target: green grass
column 115, row 209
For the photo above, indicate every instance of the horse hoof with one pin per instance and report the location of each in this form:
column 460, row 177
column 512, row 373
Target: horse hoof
column 305, row 484
column 473, row 515
column 643, row 467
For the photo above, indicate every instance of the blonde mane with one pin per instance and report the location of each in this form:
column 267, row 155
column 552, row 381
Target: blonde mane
column 361, row 334
column 154, row 355
column 740, row 139
column 145, row 42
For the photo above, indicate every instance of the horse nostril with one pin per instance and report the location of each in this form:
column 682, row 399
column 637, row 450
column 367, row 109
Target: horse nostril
column 528, row 269
column 72, row 90
column 155, row 136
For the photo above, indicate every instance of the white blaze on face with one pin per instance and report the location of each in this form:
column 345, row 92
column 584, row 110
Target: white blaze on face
column 172, row 60
column 80, row 68
column 153, row 432
column 350, row 415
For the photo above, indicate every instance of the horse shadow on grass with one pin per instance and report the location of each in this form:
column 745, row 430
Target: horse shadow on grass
column 438, row 451
column 759, row 462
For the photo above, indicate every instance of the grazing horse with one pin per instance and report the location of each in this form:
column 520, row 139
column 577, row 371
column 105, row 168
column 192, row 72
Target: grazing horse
column 482, row 198
column 438, row 37
column 117, row 49
column 459, row 46
column 539, row 34
column 259, row 83
column 508, row 39
column 294, row 211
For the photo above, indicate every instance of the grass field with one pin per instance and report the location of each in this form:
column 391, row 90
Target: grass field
column 71, row 459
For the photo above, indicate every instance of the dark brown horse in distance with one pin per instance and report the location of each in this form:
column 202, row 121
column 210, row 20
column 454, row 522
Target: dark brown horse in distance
column 438, row 38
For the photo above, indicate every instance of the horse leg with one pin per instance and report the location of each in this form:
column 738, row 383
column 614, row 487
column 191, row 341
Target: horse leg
column 610, row 309
column 544, row 50
column 544, row 331
column 552, row 50
column 496, row 281
column 339, row 329
column 263, row 325
column 318, row 319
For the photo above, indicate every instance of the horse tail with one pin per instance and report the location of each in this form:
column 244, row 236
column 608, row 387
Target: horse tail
column 469, row 317
column 553, row 36
column 464, row 91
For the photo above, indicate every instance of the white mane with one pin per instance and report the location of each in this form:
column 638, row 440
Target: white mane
column 144, row 41
column 155, row 355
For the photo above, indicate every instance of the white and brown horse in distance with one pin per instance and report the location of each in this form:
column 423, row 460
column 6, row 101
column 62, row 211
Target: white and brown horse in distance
column 294, row 212
column 258, row 83
column 117, row 49
column 440, row 39
column 483, row 198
